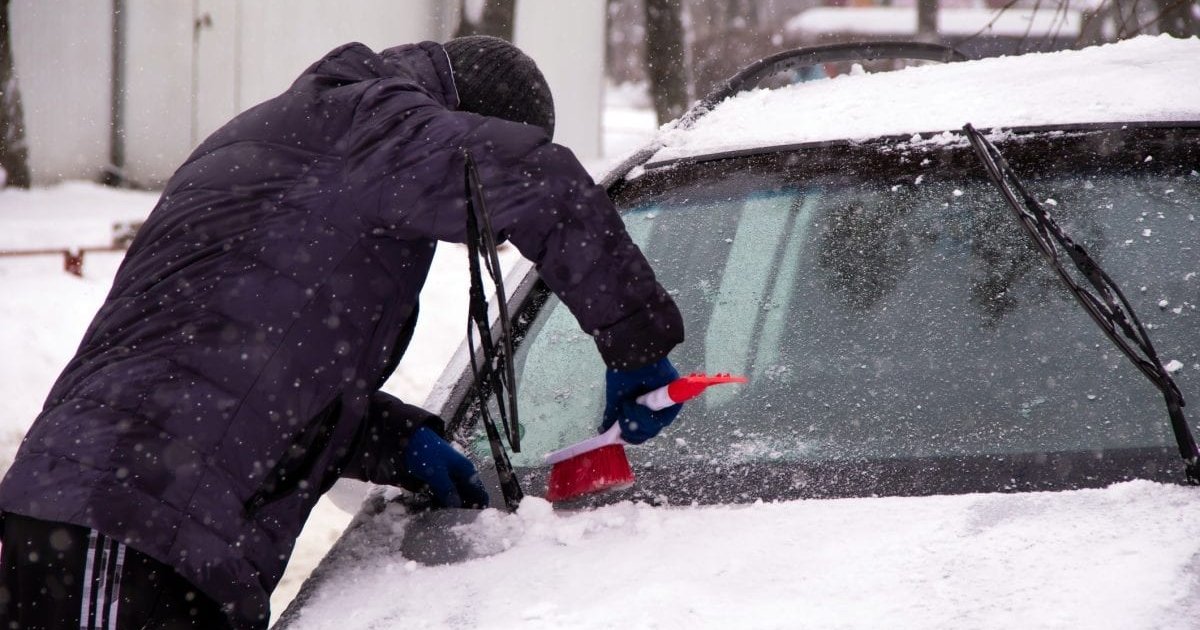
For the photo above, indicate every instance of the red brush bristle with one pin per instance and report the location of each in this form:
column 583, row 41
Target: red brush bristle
column 605, row 468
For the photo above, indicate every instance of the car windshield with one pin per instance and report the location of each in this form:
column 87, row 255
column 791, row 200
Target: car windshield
column 889, row 313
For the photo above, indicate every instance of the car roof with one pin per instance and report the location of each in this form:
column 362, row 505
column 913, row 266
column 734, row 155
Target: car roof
column 1146, row 79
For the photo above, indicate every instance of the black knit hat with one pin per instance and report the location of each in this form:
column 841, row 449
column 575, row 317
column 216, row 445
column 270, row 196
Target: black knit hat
column 494, row 78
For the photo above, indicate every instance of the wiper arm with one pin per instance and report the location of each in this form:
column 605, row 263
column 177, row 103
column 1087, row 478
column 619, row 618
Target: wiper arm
column 495, row 373
column 1104, row 302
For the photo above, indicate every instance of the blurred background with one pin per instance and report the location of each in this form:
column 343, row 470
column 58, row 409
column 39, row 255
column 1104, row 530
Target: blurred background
column 119, row 91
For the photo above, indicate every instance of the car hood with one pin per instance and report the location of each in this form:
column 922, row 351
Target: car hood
column 1145, row 79
column 1124, row 556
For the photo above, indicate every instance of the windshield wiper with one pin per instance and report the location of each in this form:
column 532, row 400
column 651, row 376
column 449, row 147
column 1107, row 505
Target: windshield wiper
column 495, row 373
column 1104, row 302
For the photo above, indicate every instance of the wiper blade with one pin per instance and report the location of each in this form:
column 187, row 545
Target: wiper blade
column 1103, row 301
column 495, row 373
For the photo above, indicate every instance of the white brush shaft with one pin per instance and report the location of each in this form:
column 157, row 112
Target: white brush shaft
column 657, row 400
column 609, row 437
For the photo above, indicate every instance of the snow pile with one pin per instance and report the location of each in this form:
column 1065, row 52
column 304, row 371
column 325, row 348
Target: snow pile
column 1122, row 557
column 1142, row 79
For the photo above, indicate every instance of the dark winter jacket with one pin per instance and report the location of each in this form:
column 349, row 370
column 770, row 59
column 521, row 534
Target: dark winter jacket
column 233, row 372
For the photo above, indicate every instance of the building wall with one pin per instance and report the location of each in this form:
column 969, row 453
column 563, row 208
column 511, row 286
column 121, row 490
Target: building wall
column 193, row 64
column 63, row 60
column 158, row 88
column 283, row 37
column 566, row 39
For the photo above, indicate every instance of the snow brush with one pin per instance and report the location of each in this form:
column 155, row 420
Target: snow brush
column 598, row 464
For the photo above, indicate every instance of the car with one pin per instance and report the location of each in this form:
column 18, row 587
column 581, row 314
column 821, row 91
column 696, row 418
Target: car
column 934, row 433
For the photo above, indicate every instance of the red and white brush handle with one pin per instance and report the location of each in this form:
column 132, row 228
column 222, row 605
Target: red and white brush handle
column 656, row 400
column 678, row 391
column 608, row 438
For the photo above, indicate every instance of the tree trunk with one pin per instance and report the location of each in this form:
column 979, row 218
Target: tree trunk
column 496, row 19
column 666, row 58
column 927, row 11
column 1125, row 17
column 14, row 154
column 1175, row 18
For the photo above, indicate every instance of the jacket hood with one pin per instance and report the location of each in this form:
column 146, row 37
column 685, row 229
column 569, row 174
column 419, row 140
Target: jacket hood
column 423, row 64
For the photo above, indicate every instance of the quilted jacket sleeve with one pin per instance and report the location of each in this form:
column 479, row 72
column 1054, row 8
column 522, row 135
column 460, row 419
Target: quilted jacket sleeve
column 407, row 159
column 378, row 457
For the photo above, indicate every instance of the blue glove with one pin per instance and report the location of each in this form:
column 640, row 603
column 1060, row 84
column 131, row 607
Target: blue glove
column 638, row 423
column 451, row 477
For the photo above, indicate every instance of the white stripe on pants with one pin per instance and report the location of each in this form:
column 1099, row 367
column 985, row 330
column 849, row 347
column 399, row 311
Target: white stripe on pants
column 101, row 583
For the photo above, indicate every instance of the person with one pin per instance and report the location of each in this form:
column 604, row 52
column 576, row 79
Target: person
column 234, row 371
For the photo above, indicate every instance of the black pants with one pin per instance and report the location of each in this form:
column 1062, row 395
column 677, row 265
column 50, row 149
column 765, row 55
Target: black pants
column 56, row 576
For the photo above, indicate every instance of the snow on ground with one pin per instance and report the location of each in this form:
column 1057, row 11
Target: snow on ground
column 1123, row 557
column 1147, row 78
column 629, row 122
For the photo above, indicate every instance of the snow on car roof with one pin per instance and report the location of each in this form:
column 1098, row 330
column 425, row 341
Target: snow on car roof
column 1137, row 80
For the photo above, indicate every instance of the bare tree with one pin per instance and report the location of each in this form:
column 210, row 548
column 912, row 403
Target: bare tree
column 14, row 154
column 1175, row 18
column 927, row 13
column 495, row 19
column 625, row 51
column 666, row 58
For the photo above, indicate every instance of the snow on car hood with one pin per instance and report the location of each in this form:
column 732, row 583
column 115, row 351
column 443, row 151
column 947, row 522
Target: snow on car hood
column 1142, row 79
column 1122, row 557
